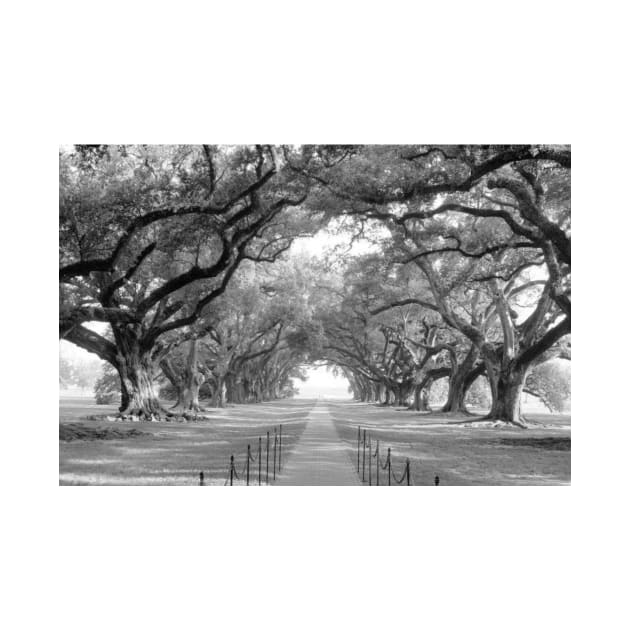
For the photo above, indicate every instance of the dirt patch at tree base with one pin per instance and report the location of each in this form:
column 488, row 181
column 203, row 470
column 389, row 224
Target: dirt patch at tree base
column 71, row 431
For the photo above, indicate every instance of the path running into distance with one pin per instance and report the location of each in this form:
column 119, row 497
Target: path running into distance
column 319, row 458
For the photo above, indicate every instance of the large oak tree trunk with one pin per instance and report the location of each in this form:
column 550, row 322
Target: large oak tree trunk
column 189, row 399
column 136, row 369
column 235, row 392
column 359, row 391
column 275, row 394
column 398, row 401
column 506, row 384
column 218, row 395
column 193, row 379
column 174, row 379
column 137, row 381
column 124, row 392
column 187, row 383
column 420, row 399
column 403, row 391
column 407, row 394
column 458, row 381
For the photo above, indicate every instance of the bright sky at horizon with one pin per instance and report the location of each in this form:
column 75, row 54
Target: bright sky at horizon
column 322, row 383
column 330, row 238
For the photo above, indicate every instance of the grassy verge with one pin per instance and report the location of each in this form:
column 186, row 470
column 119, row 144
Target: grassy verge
column 461, row 455
column 170, row 453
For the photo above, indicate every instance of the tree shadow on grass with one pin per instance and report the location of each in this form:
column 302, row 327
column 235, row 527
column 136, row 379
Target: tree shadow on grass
column 74, row 431
column 544, row 444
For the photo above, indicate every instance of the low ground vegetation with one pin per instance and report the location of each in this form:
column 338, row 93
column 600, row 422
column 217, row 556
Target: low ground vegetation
column 461, row 455
column 174, row 454
column 169, row 453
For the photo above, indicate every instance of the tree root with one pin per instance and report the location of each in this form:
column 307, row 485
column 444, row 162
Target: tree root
column 161, row 415
column 181, row 410
column 496, row 422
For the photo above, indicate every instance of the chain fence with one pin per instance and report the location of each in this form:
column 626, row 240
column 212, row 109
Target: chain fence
column 366, row 452
column 247, row 476
column 369, row 459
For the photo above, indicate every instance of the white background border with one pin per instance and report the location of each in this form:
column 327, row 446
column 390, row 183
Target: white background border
column 299, row 558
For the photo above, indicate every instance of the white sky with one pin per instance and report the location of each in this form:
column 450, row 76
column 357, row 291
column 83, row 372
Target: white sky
column 326, row 240
column 322, row 383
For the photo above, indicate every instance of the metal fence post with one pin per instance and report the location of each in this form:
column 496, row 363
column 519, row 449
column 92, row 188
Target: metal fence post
column 231, row 470
column 370, row 460
column 358, row 448
column 249, row 454
column 275, row 446
column 201, row 478
column 364, row 440
column 378, row 465
column 259, row 459
column 280, row 450
column 389, row 466
column 408, row 473
column 267, row 477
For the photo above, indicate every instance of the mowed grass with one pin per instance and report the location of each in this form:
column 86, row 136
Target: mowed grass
column 174, row 453
column 461, row 455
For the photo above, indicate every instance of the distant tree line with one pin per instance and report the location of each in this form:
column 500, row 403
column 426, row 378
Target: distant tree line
column 80, row 374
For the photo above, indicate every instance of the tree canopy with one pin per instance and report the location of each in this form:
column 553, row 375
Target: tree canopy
column 186, row 253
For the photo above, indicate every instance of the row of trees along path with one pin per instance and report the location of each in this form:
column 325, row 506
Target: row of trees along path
column 183, row 252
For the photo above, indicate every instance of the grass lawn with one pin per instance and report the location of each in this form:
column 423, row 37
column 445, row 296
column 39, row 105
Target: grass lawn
column 173, row 453
column 462, row 455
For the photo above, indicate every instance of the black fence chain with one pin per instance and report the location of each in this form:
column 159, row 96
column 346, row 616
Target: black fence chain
column 362, row 442
column 402, row 477
column 232, row 472
column 363, row 439
column 384, row 466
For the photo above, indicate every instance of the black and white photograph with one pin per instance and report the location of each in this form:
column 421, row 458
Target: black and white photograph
column 315, row 315
column 313, row 361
